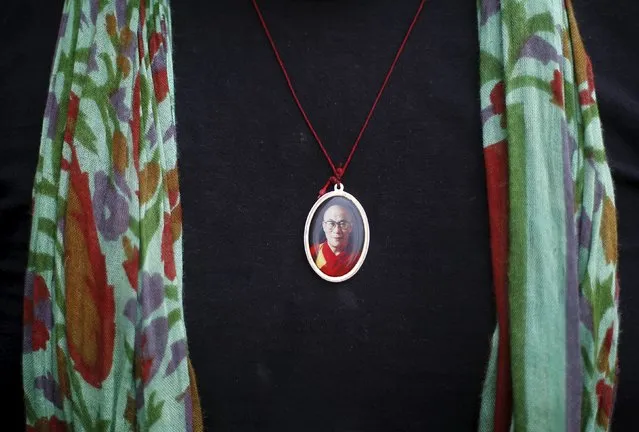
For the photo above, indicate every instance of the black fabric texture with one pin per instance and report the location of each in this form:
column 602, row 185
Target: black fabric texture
column 404, row 344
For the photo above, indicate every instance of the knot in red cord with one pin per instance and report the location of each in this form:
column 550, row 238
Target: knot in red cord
column 332, row 180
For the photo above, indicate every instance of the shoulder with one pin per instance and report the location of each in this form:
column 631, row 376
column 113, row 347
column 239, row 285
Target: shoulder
column 316, row 248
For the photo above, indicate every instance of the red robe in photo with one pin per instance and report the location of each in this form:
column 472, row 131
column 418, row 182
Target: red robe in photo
column 331, row 264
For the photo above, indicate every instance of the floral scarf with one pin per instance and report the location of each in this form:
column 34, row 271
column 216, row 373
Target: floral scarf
column 105, row 344
column 104, row 339
column 553, row 362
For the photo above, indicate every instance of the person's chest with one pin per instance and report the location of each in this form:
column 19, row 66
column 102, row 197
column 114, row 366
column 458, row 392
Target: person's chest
column 274, row 345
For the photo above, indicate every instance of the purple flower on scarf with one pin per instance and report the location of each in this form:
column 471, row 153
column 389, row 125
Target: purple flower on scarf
column 170, row 133
column 93, row 10
column 486, row 114
column 152, row 293
column 50, row 389
column 598, row 199
column 120, row 12
column 110, row 208
column 120, row 182
column 158, row 63
column 178, row 353
column 51, row 113
column 153, row 342
column 44, row 312
column 488, row 9
column 130, row 310
column 28, row 305
column 188, row 409
column 61, row 225
column 63, row 25
column 92, row 62
column 29, row 278
column 121, row 109
column 585, row 230
column 152, row 134
column 538, row 48
column 585, row 313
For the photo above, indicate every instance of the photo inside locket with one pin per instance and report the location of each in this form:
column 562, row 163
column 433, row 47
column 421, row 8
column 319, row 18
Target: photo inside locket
column 336, row 236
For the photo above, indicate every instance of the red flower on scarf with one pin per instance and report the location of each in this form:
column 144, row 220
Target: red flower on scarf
column 157, row 53
column 52, row 424
column 72, row 117
column 37, row 315
column 167, row 248
column 604, row 397
column 145, row 369
column 557, row 86
column 160, row 84
column 132, row 263
column 90, row 304
column 39, row 336
column 604, row 352
column 172, row 223
column 585, row 96
column 498, row 99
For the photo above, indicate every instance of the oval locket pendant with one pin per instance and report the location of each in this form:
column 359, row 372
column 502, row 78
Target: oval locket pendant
column 336, row 235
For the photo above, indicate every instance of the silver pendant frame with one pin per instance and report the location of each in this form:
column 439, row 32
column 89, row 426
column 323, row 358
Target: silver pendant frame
column 338, row 191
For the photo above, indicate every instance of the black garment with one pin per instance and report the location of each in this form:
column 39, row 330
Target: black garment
column 404, row 344
column 407, row 338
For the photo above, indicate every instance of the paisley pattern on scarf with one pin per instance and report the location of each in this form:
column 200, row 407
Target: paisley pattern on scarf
column 553, row 364
column 104, row 338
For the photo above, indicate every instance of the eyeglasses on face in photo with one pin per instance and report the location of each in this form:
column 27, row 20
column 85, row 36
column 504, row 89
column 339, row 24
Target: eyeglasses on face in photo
column 331, row 225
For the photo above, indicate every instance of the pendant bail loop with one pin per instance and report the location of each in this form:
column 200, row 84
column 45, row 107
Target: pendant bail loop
column 333, row 180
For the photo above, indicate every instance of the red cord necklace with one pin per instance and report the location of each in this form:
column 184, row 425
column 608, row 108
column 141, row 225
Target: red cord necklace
column 337, row 250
